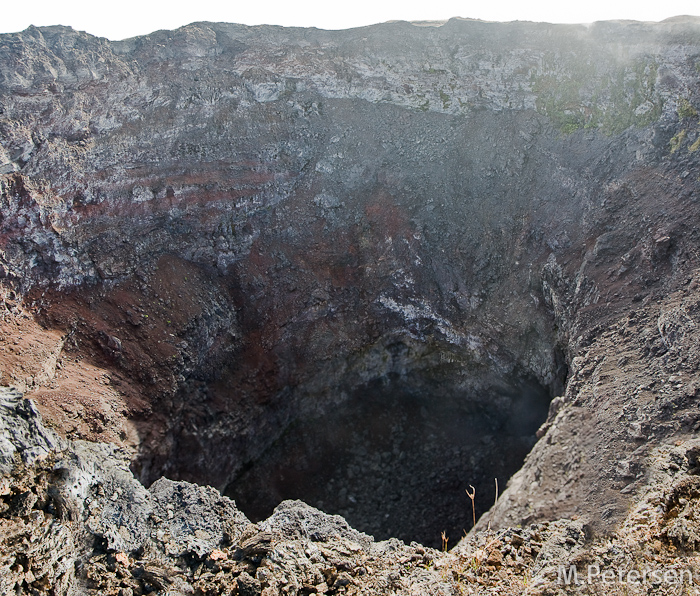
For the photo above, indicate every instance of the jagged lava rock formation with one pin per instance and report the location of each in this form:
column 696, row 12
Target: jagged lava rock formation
column 356, row 266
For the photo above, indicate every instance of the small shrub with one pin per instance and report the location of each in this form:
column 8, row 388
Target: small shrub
column 695, row 146
column 685, row 109
column 677, row 141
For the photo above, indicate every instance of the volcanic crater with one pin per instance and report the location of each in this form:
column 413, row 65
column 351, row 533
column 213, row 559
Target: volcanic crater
column 368, row 269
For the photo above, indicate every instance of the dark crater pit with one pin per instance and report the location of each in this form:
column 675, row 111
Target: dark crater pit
column 395, row 460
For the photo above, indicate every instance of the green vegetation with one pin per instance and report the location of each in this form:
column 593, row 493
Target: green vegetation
column 611, row 101
column 445, row 99
column 559, row 99
column 571, row 122
column 677, row 141
column 695, row 146
column 685, row 109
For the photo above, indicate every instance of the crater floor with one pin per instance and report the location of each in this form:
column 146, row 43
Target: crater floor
column 395, row 464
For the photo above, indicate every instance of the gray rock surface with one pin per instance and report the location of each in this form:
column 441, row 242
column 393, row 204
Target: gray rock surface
column 22, row 435
column 296, row 520
column 196, row 518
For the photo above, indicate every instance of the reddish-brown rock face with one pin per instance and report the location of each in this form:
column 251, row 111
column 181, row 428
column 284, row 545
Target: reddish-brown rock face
column 366, row 254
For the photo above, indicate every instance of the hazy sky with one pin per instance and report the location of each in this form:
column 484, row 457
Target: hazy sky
column 126, row 18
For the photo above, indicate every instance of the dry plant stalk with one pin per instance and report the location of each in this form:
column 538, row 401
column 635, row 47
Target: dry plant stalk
column 444, row 541
column 471, row 496
column 496, row 499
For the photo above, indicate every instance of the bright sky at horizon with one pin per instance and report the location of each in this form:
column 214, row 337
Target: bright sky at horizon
column 133, row 18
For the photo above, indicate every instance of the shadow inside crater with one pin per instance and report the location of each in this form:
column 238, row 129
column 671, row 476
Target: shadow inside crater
column 395, row 461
